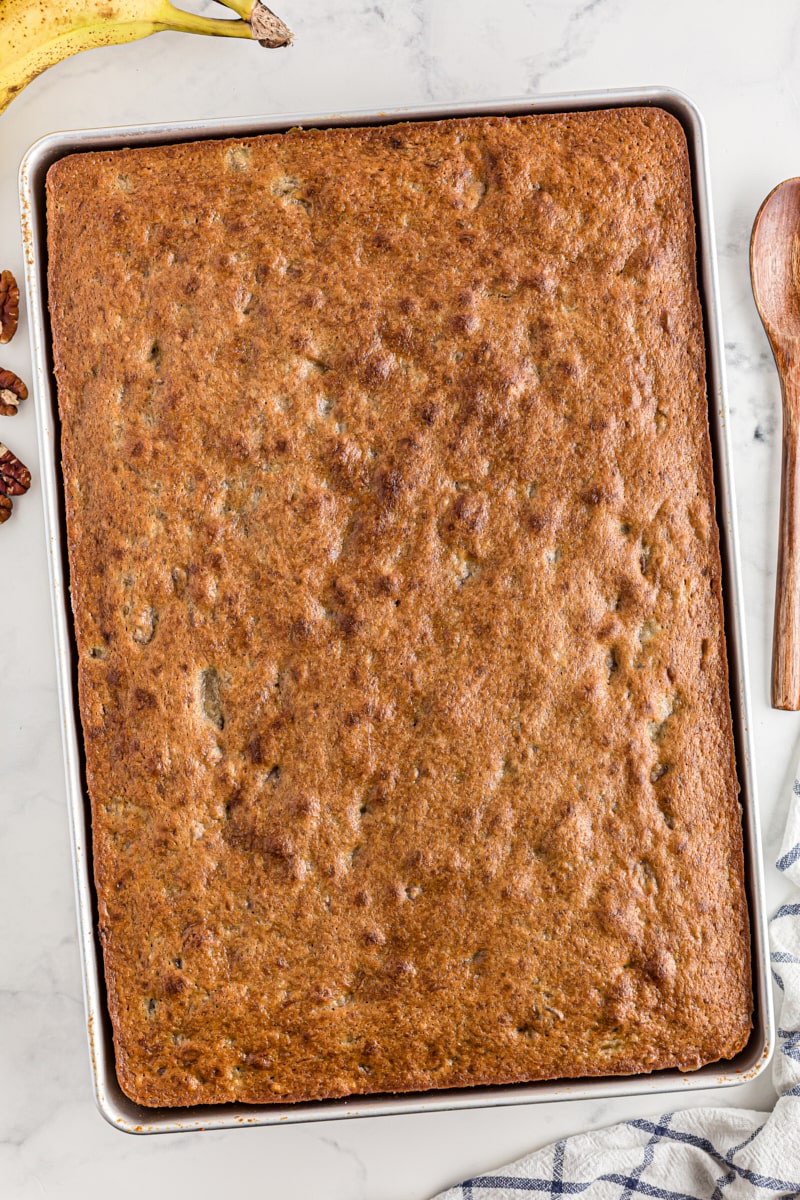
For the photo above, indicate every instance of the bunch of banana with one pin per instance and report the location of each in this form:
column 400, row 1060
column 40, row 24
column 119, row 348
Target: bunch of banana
column 36, row 34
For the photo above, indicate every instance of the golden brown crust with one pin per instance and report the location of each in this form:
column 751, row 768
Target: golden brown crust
column 397, row 601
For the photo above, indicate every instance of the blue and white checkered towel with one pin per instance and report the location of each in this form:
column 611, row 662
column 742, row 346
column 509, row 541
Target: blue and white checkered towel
column 701, row 1154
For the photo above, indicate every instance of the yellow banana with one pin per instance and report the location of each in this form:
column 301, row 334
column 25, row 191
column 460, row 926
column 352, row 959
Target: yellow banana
column 36, row 34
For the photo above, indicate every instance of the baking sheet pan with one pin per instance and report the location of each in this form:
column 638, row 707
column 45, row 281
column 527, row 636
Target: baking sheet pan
column 114, row 1105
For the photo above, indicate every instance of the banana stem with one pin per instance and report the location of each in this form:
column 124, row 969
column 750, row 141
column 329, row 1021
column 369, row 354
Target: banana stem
column 179, row 21
column 242, row 7
column 257, row 21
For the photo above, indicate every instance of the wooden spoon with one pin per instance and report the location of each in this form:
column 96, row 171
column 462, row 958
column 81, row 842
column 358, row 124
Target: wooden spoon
column 775, row 272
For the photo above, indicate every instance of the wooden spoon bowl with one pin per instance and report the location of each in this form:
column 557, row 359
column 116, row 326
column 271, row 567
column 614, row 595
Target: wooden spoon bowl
column 775, row 274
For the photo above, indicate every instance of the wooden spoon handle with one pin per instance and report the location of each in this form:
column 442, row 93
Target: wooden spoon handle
column 786, row 634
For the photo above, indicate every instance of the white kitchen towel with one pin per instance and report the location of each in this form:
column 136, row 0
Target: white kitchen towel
column 699, row 1154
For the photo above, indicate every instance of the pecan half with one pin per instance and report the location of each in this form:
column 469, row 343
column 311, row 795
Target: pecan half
column 6, row 505
column 15, row 478
column 9, row 306
column 12, row 390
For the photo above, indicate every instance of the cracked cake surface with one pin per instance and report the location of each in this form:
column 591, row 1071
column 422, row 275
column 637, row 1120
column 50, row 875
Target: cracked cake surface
column 396, row 590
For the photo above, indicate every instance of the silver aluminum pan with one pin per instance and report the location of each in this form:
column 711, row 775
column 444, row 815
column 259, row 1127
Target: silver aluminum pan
column 115, row 1106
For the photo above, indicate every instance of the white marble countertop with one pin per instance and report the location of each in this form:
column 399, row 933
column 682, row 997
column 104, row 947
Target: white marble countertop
column 740, row 67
